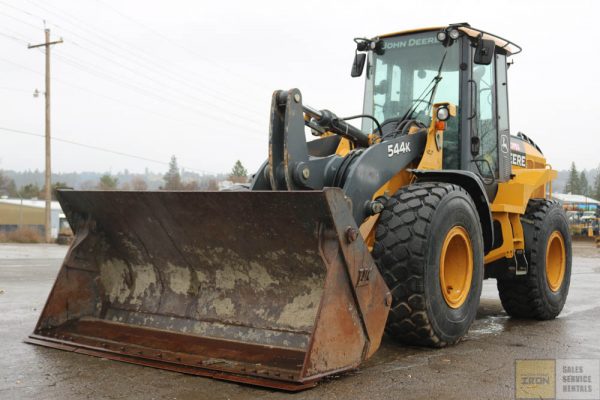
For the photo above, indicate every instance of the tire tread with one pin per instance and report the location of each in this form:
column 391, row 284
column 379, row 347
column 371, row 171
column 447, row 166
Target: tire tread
column 400, row 250
column 521, row 296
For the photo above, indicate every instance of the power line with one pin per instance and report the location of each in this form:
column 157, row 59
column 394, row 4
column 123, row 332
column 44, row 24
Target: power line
column 178, row 44
column 117, row 100
column 9, row 36
column 146, row 61
column 16, row 89
column 173, row 92
column 148, row 93
column 227, row 111
column 21, row 66
column 102, row 149
column 19, row 20
column 16, row 8
column 178, row 103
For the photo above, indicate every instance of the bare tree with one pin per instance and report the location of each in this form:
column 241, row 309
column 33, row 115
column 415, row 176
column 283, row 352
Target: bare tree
column 7, row 186
column 88, row 184
column 138, row 183
column 191, row 185
column 212, row 184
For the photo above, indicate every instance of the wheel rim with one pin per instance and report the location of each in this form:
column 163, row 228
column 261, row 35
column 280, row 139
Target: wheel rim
column 555, row 261
column 456, row 267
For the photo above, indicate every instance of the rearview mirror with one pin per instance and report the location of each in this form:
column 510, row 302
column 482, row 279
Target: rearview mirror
column 358, row 65
column 484, row 53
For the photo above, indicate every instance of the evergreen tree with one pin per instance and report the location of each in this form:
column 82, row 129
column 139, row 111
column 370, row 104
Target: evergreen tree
column 107, row 182
column 583, row 184
column 239, row 174
column 595, row 192
column 572, row 185
column 54, row 186
column 172, row 178
column 29, row 191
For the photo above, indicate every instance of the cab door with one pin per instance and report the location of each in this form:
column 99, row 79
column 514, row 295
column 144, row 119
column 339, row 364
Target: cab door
column 504, row 166
column 489, row 123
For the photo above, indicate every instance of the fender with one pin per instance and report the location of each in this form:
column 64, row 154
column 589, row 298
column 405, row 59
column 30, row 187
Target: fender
column 376, row 166
column 473, row 185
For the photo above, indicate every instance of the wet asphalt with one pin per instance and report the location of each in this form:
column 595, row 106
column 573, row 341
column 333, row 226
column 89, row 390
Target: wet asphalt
column 481, row 366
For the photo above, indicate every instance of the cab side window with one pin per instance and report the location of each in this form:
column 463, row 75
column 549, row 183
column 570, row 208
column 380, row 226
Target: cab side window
column 483, row 76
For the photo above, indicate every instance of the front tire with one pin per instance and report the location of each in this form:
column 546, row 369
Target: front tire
column 541, row 294
column 429, row 249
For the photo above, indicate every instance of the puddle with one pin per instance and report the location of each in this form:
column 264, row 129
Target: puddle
column 489, row 325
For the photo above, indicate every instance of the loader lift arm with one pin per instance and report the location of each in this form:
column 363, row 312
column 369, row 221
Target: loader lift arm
column 360, row 173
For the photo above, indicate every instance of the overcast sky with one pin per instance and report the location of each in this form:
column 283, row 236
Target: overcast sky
column 194, row 78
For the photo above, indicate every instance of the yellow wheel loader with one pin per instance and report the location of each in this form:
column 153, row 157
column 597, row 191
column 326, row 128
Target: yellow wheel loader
column 388, row 228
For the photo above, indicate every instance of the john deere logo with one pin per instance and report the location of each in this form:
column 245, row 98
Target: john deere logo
column 388, row 45
column 504, row 146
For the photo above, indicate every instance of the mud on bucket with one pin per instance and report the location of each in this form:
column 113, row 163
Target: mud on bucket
column 256, row 287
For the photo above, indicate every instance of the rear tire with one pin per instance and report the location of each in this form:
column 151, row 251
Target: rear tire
column 541, row 294
column 421, row 226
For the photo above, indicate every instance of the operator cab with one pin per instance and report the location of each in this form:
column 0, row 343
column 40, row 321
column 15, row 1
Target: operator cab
column 407, row 72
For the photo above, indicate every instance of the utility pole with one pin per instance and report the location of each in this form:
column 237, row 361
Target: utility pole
column 48, row 172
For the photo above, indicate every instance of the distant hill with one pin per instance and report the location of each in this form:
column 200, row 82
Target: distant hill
column 89, row 180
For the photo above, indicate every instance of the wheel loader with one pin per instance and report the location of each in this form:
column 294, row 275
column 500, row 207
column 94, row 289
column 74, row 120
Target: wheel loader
column 389, row 228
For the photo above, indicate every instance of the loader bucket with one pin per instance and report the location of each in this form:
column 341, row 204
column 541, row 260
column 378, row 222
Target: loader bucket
column 267, row 288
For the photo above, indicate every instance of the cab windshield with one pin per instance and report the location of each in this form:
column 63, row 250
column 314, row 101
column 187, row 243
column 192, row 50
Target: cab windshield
column 402, row 78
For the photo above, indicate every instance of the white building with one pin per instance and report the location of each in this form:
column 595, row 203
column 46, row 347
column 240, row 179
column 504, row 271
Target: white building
column 576, row 202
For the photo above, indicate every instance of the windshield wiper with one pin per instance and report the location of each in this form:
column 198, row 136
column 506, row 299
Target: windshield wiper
column 435, row 81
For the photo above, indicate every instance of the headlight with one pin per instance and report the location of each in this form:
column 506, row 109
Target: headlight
column 441, row 36
column 454, row 34
column 443, row 113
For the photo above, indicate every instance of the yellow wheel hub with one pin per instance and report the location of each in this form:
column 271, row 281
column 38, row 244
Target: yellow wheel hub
column 555, row 261
column 456, row 266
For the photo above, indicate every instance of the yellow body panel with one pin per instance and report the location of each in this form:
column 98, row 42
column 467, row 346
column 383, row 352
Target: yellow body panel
column 344, row 147
column 367, row 229
column 432, row 156
column 532, row 181
column 513, row 195
column 512, row 237
column 535, row 159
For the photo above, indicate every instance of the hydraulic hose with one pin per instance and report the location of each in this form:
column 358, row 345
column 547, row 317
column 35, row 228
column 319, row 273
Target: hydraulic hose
column 328, row 120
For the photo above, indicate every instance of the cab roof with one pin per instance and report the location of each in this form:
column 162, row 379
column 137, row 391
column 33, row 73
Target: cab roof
column 508, row 46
